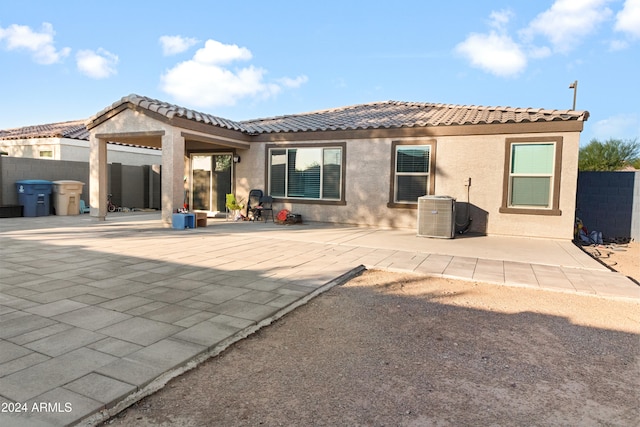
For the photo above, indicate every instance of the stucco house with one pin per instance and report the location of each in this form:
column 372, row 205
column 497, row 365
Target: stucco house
column 513, row 169
column 68, row 141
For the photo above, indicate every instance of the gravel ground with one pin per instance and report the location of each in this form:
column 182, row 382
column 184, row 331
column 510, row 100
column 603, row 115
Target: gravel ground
column 388, row 349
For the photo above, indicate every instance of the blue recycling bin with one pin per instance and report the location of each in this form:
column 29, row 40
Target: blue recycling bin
column 35, row 196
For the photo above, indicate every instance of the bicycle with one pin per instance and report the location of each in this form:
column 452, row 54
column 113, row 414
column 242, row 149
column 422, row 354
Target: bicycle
column 110, row 206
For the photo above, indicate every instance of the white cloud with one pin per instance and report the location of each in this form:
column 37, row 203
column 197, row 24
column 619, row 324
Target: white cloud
column 495, row 53
column 562, row 27
column 618, row 45
column 622, row 126
column 172, row 45
column 293, row 83
column 567, row 22
column 499, row 19
column 203, row 81
column 538, row 52
column 215, row 52
column 98, row 64
column 40, row 44
column 628, row 19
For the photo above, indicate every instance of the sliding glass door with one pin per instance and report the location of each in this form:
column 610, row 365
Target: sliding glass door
column 211, row 181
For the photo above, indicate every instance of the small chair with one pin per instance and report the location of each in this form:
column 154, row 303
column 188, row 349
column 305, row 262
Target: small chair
column 84, row 208
column 252, row 203
column 232, row 204
column 266, row 208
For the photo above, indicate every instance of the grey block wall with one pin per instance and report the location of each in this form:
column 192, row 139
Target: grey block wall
column 610, row 202
column 16, row 168
column 133, row 196
column 135, row 189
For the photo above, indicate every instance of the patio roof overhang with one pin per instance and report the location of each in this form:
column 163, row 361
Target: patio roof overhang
column 132, row 121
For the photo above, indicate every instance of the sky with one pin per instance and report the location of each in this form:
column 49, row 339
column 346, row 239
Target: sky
column 67, row 60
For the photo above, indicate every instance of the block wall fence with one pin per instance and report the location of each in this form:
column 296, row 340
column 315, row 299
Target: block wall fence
column 610, row 202
column 131, row 186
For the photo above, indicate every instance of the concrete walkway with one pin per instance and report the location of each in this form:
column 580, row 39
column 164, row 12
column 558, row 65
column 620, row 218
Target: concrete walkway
column 94, row 315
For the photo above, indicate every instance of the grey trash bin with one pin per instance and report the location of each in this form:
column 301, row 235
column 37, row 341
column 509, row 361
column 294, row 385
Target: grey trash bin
column 66, row 197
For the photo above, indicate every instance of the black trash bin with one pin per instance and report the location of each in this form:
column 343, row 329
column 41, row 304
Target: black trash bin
column 35, row 196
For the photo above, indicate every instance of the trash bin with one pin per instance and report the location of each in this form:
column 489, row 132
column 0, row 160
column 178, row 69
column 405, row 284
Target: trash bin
column 66, row 197
column 34, row 195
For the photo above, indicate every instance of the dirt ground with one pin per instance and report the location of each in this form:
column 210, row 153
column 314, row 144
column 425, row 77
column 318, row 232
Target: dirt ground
column 389, row 349
column 624, row 258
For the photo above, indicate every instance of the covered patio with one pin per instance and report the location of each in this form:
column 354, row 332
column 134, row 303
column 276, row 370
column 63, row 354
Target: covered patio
column 178, row 132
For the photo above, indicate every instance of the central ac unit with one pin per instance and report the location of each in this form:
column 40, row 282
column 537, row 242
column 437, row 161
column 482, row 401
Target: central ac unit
column 437, row 216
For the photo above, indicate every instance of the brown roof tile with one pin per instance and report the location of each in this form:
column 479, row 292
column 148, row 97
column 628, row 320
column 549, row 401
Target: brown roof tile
column 73, row 129
column 395, row 114
column 166, row 109
column 375, row 115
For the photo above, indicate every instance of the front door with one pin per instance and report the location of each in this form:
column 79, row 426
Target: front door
column 210, row 182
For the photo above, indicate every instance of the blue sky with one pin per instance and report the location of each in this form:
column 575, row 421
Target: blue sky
column 67, row 60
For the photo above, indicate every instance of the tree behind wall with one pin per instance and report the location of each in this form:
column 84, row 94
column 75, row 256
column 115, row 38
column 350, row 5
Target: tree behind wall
column 612, row 155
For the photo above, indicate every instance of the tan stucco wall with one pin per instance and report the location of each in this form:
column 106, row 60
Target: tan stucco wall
column 249, row 173
column 481, row 158
column 130, row 121
column 78, row 151
column 130, row 126
column 31, row 147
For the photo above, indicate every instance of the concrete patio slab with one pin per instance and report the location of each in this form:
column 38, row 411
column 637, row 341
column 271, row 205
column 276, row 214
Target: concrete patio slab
column 100, row 388
column 94, row 315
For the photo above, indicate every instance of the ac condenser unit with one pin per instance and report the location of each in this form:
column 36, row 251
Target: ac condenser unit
column 437, row 216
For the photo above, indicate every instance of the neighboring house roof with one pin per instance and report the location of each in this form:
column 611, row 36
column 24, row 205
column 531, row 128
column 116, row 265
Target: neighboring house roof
column 375, row 115
column 73, row 130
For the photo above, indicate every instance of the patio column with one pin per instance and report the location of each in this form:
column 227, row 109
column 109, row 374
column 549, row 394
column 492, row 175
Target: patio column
column 173, row 146
column 98, row 177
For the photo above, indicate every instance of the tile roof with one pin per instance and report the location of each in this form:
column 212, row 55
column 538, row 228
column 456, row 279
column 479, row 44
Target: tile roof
column 396, row 114
column 74, row 130
column 375, row 115
column 168, row 110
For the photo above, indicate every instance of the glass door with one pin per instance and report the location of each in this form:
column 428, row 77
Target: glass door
column 211, row 179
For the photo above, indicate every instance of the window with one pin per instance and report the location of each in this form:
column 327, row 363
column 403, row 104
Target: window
column 532, row 175
column 48, row 154
column 412, row 173
column 307, row 173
